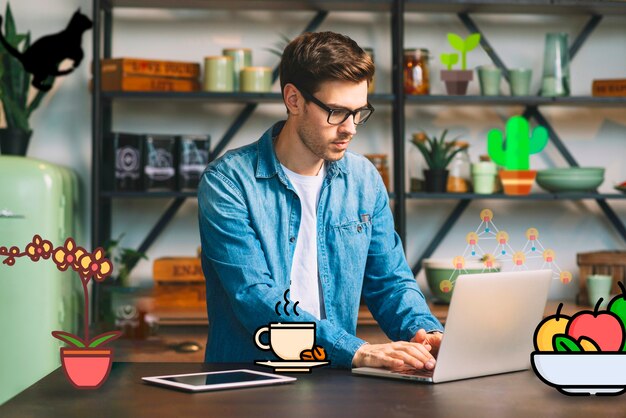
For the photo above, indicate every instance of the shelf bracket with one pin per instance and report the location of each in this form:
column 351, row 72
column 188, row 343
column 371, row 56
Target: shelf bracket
column 441, row 234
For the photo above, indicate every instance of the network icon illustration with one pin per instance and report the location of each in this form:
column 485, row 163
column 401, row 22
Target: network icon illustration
column 525, row 259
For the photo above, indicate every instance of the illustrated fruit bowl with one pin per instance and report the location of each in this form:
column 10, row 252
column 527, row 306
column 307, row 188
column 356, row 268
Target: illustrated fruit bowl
column 621, row 187
column 584, row 373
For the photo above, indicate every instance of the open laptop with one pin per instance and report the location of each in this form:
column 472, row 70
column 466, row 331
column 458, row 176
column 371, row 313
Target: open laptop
column 489, row 329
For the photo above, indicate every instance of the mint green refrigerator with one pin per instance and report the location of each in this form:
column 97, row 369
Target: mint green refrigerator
column 36, row 197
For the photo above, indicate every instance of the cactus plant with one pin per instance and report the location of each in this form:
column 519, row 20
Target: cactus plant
column 515, row 153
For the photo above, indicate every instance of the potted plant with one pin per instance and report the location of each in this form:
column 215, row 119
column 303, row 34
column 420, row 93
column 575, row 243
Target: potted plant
column 15, row 85
column 457, row 80
column 514, row 156
column 438, row 155
column 85, row 362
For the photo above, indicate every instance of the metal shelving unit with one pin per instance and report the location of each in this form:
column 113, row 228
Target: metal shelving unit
column 102, row 101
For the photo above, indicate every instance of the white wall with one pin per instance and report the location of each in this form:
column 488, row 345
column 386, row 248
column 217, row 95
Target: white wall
column 595, row 136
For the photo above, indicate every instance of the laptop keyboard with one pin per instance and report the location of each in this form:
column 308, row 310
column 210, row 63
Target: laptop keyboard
column 411, row 371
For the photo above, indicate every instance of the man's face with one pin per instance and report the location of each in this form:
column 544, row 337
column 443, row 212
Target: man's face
column 326, row 141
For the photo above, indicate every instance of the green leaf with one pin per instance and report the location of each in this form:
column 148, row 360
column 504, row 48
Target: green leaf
column 16, row 116
column 456, row 42
column 106, row 337
column 565, row 343
column 9, row 24
column 472, row 41
column 425, row 152
column 68, row 338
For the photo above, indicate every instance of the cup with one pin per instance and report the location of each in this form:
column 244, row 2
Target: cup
column 489, row 78
column 484, row 176
column 520, row 81
column 242, row 57
column 218, row 74
column 256, row 79
column 287, row 340
column 555, row 80
column 599, row 286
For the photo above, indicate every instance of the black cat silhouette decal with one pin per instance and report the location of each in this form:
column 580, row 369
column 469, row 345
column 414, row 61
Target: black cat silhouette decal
column 45, row 55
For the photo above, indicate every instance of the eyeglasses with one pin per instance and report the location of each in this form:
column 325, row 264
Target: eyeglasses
column 339, row 116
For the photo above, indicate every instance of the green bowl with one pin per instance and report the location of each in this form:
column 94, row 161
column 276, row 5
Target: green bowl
column 573, row 172
column 569, row 184
column 440, row 270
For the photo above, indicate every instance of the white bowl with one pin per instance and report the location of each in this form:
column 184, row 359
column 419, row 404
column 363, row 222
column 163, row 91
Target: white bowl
column 582, row 373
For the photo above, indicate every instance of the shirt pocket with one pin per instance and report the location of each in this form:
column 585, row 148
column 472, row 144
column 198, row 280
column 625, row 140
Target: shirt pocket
column 349, row 243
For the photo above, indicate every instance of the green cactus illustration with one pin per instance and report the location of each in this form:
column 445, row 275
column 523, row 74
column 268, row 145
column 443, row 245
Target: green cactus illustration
column 515, row 153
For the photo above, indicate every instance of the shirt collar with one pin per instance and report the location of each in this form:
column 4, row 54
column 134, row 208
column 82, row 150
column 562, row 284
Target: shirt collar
column 268, row 164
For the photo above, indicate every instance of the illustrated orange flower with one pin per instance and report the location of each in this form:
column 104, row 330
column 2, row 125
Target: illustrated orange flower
column 68, row 255
column 95, row 265
column 39, row 248
column 11, row 254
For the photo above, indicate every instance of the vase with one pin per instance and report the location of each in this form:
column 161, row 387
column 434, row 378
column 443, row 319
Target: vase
column 555, row 81
column 86, row 368
column 14, row 141
column 436, row 180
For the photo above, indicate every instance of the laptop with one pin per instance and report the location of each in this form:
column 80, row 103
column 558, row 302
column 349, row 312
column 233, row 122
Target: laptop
column 489, row 329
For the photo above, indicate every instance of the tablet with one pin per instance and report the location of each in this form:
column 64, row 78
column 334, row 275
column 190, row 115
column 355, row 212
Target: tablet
column 220, row 380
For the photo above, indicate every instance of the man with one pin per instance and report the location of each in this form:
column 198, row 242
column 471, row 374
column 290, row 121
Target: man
column 294, row 219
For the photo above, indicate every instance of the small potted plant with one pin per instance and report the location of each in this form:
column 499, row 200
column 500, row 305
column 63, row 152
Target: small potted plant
column 457, row 80
column 86, row 363
column 15, row 85
column 517, row 179
column 438, row 155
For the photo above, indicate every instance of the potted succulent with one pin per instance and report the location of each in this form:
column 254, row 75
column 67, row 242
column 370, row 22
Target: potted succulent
column 438, row 155
column 514, row 156
column 15, row 85
column 85, row 362
column 457, row 80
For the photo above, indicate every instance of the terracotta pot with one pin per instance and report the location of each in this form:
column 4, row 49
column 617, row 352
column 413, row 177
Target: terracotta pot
column 457, row 81
column 517, row 182
column 86, row 368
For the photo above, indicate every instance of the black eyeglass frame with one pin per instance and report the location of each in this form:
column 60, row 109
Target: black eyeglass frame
column 353, row 113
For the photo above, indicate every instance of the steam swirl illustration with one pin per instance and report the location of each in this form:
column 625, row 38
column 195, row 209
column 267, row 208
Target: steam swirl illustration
column 287, row 303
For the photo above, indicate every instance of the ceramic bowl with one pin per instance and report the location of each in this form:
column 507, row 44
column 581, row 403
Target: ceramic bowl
column 574, row 179
column 441, row 275
column 582, row 373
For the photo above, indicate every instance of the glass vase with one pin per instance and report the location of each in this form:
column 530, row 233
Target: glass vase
column 555, row 81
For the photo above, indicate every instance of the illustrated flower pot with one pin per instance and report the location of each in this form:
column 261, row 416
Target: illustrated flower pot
column 86, row 368
column 457, row 81
column 517, row 182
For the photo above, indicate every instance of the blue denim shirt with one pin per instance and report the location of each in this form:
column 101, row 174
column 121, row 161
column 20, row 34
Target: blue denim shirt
column 249, row 217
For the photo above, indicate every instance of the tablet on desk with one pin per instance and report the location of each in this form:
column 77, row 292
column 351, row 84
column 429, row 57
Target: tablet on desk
column 220, row 380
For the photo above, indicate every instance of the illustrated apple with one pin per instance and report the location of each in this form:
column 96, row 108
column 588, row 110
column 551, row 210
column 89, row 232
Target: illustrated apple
column 617, row 305
column 550, row 326
column 604, row 328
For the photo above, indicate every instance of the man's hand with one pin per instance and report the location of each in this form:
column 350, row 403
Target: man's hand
column 430, row 341
column 394, row 355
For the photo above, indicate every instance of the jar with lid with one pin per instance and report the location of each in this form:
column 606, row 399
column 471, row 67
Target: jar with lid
column 416, row 165
column 372, row 86
column 416, row 73
column 381, row 164
column 460, row 170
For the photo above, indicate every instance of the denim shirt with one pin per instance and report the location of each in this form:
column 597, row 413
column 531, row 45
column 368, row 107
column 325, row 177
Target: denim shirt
column 249, row 216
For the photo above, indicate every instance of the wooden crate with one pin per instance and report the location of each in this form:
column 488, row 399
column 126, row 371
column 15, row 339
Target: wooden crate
column 601, row 262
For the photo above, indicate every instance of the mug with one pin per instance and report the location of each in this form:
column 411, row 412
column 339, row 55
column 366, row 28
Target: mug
column 520, row 81
column 242, row 57
column 489, row 78
column 287, row 340
column 599, row 286
column 218, row 74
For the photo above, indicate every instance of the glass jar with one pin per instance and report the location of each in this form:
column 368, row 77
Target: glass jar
column 460, row 170
column 416, row 79
column 372, row 86
column 380, row 161
column 417, row 165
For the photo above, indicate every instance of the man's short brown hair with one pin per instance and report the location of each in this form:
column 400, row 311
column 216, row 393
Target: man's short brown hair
column 315, row 57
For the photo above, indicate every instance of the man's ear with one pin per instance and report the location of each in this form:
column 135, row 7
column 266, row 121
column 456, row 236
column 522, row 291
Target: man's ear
column 293, row 99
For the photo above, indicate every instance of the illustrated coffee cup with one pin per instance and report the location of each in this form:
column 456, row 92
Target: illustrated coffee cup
column 287, row 340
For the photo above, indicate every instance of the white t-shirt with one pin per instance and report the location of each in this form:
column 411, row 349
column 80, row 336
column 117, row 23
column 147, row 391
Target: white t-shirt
column 305, row 285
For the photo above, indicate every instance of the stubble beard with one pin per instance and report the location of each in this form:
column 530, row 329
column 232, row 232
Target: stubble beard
column 320, row 148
